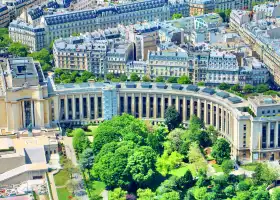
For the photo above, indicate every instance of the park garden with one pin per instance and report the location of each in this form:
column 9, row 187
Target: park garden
column 134, row 159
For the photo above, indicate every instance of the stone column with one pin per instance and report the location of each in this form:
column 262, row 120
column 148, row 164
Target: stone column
column 276, row 135
column 133, row 104
column 177, row 103
column 15, row 113
column 162, row 106
column 125, row 102
column 95, row 107
column 47, row 110
column 119, row 104
column 268, row 135
column 81, row 107
column 222, row 120
column 169, row 100
column 211, row 114
column 191, row 107
column 205, row 112
column 199, row 109
column 140, row 104
column 184, row 114
column 74, row 107
column 57, row 108
column 66, row 107
column 88, row 107
column 217, row 117
column 148, row 106
column 155, row 106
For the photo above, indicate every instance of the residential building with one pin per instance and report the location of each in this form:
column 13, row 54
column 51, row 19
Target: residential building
column 4, row 16
column 138, row 67
column 65, row 24
column 200, row 7
column 94, row 52
column 263, row 36
column 167, row 64
column 253, row 72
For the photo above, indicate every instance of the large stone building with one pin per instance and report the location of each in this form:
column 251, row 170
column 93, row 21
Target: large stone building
column 65, row 24
column 26, row 98
column 263, row 34
column 25, row 158
column 99, row 53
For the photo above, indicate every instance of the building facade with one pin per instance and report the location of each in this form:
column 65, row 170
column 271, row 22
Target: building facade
column 262, row 34
column 65, row 24
column 48, row 104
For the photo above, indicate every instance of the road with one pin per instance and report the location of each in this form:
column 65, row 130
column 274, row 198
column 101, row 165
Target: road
column 70, row 153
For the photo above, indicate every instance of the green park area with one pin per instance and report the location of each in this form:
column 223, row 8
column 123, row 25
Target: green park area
column 135, row 159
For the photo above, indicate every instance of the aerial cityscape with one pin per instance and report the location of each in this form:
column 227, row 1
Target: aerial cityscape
column 139, row 100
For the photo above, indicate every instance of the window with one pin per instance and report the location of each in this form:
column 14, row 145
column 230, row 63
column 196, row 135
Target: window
column 244, row 127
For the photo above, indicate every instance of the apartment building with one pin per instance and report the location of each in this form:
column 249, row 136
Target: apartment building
column 65, row 24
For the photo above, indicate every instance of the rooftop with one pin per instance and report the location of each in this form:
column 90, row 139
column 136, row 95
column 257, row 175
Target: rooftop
column 264, row 100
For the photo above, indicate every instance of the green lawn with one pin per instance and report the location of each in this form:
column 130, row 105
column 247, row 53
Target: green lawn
column 61, row 178
column 249, row 166
column 63, row 193
column 96, row 187
column 180, row 171
column 217, row 168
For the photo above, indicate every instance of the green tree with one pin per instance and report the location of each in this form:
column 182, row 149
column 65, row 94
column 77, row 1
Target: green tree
column 275, row 194
column 146, row 78
column 235, row 88
column 123, row 78
column 75, row 34
column 166, row 162
column 58, row 71
column 271, row 92
column 184, row 80
column 244, row 195
column 172, row 118
column 227, row 166
column 156, row 138
column 177, row 16
column 134, row 77
column 170, row 196
column 141, row 165
column 159, row 79
column 174, row 140
column 86, row 160
column 172, row 79
column 201, row 83
column 43, row 56
column 110, row 76
column 18, row 49
column 224, row 86
column 5, row 41
column 262, row 88
column 221, row 150
column 229, row 191
column 213, row 133
column 248, row 88
column 80, row 140
column 117, row 194
column 110, row 166
column 196, row 158
column 185, row 182
column 200, row 193
column 264, row 174
column 145, row 194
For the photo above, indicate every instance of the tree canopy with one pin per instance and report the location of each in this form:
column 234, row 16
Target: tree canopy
column 172, row 118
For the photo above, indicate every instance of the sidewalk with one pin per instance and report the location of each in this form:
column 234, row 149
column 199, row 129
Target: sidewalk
column 52, row 183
